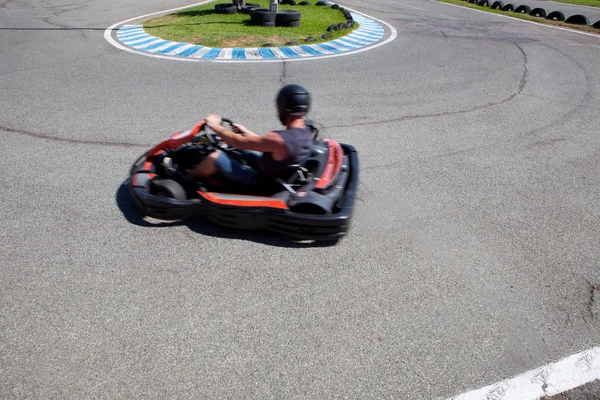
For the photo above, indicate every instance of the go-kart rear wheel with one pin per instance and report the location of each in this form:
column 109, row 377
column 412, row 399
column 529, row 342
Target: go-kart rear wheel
column 167, row 188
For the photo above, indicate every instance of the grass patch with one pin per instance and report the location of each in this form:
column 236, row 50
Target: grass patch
column 589, row 3
column 527, row 17
column 202, row 26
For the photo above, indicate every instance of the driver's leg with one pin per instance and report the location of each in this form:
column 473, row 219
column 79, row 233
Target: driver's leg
column 206, row 167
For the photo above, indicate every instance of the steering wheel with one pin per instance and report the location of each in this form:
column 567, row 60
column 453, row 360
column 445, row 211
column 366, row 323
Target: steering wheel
column 212, row 137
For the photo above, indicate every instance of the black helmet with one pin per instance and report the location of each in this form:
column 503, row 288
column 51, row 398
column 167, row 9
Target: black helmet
column 293, row 100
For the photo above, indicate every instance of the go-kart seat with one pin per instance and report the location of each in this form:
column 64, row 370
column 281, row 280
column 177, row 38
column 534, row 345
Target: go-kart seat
column 290, row 173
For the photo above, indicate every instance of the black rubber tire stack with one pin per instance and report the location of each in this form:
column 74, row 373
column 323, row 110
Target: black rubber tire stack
column 262, row 17
column 249, row 7
column 287, row 18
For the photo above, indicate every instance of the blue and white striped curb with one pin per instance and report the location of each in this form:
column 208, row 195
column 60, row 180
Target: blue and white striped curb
column 368, row 33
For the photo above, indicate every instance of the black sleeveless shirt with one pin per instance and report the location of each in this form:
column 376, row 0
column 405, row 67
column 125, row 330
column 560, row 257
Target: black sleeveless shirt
column 297, row 141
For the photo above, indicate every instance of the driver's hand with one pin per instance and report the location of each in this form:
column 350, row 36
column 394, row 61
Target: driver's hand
column 239, row 129
column 213, row 120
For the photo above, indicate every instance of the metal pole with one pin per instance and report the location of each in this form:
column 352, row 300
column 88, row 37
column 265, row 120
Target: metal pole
column 273, row 6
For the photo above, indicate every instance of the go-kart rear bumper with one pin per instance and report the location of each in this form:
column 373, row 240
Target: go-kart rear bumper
column 296, row 225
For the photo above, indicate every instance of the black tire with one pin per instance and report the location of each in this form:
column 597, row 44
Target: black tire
column 321, row 3
column 332, row 28
column 260, row 16
column 284, row 16
column 292, row 44
column 167, row 188
column 577, row 19
column 309, row 39
column 523, row 9
column 248, row 9
column 597, row 25
column 341, row 26
column 508, row 7
column 305, row 3
column 556, row 15
column 497, row 5
column 538, row 12
column 335, row 6
column 268, row 24
column 326, row 36
column 288, row 2
column 225, row 8
column 484, row 3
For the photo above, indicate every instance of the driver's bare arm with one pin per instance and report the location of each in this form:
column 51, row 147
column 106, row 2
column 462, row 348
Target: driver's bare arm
column 242, row 130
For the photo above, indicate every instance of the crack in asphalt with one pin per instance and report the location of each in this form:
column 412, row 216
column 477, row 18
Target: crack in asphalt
column 521, row 86
column 283, row 76
column 592, row 290
column 567, row 117
column 74, row 141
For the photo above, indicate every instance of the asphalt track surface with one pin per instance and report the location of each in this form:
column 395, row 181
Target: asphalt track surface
column 472, row 258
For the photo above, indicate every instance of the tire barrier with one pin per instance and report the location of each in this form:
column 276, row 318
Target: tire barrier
column 225, row 8
column 321, row 3
column 556, row 15
column 523, row 9
column 577, row 19
column 305, row 3
column 538, row 12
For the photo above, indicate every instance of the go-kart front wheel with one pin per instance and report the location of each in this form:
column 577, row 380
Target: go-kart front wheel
column 167, row 188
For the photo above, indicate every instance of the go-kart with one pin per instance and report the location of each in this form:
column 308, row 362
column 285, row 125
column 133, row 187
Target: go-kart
column 311, row 200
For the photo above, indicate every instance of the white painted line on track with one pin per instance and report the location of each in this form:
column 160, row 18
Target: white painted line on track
column 281, row 57
column 519, row 19
column 549, row 380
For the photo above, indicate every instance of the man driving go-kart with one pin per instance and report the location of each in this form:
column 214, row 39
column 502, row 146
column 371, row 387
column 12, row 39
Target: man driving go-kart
column 289, row 181
column 266, row 154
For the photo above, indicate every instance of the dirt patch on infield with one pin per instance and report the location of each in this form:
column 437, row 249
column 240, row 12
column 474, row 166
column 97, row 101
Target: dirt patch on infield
column 252, row 41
